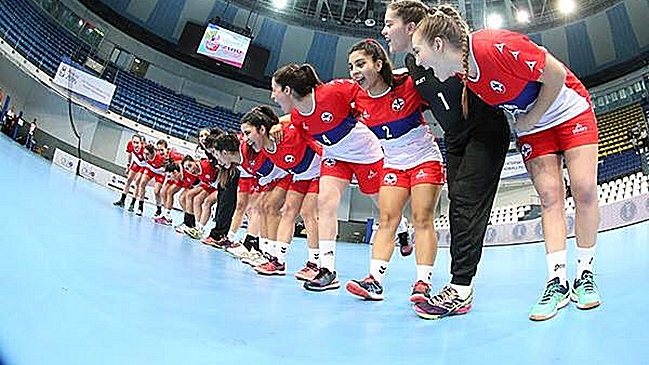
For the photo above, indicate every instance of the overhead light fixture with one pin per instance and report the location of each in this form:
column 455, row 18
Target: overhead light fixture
column 566, row 6
column 494, row 21
column 370, row 22
column 280, row 4
column 522, row 16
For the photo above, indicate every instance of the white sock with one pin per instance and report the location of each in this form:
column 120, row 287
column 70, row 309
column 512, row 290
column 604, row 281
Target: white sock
column 378, row 269
column 424, row 273
column 328, row 254
column 403, row 225
column 199, row 227
column 557, row 266
column 585, row 259
column 231, row 236
column 281, row 249
column 240, row 234
column 314, row 255
column 462, row 290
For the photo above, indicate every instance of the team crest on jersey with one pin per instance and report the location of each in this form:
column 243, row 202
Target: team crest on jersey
column 329, row 162
column 390, row 179
column 327, row 117
column 289, row 158
column 526, row 150
column 398, row 104
column 497, row 86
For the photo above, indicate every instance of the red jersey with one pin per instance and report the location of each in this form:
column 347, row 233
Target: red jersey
column 155, row 165
column 136, row 156
column 332, row 122
column 509, row 65
column 175, row 155
column 297, row 153
column 259, row 165
column 208, row 173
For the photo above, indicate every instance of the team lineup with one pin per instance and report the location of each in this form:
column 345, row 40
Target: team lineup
column 371, row 128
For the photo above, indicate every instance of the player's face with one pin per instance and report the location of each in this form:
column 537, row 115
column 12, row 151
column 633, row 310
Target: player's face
column 364, row 71
column 395, row 32
column 149, row 156
column 280, row 96
column 252, row 136
column 191, row 167
column 173, row 175
column 224, row 158
column 163, row 151
column 136, row 143
column 202, row 136
column 432, row 57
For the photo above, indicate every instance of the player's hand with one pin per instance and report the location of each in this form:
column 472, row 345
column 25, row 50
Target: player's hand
column 276, row 133
column 126, row 171
column 525, row 122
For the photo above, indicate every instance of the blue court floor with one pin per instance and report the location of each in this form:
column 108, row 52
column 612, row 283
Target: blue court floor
column 82, row 282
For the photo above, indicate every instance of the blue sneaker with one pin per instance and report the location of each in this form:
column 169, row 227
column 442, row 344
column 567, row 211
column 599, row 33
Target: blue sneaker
column 584, row 292
column 555, row 297
column 368, row 288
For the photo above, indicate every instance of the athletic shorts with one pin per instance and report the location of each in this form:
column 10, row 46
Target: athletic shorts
column 208, row 188
column 247, row 185
column 430, row 172
column 305, row 186
column 578, row 131
column 159, row 178
column 135, row 167
column 368, row 175
column 284, row 183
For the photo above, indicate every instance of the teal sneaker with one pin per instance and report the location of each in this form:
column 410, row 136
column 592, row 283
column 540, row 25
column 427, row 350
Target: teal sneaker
column 584, row 292
column 555, row 297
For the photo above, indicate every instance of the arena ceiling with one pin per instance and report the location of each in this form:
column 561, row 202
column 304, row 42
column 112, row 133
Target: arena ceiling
column 350, row 16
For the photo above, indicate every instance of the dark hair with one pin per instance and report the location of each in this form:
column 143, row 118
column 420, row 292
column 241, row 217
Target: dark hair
column 150, row 149
column 137, row 136
column 373, row 49
column 216, row 131
column 301, row 79
column 226, row 142
column 410, row 11
column 187, row 158
column 171, row 166
column 259, row 116
column 447, row 23
column 162, row 142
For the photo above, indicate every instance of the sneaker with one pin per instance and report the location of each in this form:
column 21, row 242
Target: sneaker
column 420, row 292
column 131, row 208
column 443, row 304
column 368, row 288
column 158, row 213
column 272, row 267
column 324, row 280
column 139, row 212
column 119, row 203
column 237, row 250
column 224, row 243
column 194, row 233
column 181, row 228
column 584, row 292
column 308, row 272
column 405, row 246
column 254, row 258
column 555, row 296
column 163, row 220
column 209, row 241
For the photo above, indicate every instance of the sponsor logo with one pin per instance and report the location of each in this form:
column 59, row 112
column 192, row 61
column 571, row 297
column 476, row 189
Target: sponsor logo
column 557, row 267
column 421, row 174
column 531, row 65
column 497, row 86
column 289, row 158
column 398, row 104
column 500, row 47
column 327, row 117
column 390, row 179
column 515, row 54
column 372, row 174
column 579, row 128
column 420, row 80
column 382, row 269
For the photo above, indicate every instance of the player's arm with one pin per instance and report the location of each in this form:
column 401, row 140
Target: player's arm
column 552, row 81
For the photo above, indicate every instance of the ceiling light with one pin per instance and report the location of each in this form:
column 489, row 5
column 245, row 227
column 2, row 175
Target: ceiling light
column 522, row 16
column 494, row 20
column 566, row 6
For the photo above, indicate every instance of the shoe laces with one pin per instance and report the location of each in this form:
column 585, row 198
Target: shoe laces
column 446, row 298
column 421, row 287
column 587, row 282
column 549, row 292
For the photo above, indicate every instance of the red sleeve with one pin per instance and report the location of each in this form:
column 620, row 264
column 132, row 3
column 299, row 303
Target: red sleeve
column 129, row 147
column 176, row 156
column 515, row 54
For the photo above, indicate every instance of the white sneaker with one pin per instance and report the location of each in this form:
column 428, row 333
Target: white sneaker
column 255, row 259
column 238, row 250
column 181, row 228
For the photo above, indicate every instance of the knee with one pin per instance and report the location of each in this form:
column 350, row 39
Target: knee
column 290, row 209
column 422, row 220
column 584, row 195
column 551, row 199
column 241, row 205
column 389, row 219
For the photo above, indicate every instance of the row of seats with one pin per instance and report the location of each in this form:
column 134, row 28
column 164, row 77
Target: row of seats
column 36, row 36
column 511, row 213
column 614, row 126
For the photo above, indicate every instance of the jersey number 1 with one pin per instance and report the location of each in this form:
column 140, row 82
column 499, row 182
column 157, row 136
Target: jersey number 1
column 443, row 99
